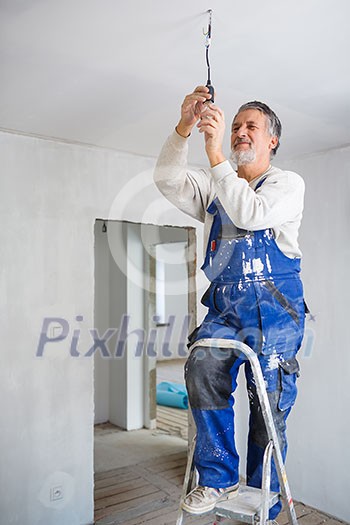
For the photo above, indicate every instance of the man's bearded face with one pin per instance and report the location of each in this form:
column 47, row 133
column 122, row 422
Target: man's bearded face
column 242, row 155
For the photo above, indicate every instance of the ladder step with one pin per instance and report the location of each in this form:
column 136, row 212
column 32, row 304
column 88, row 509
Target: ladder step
column 245, row 506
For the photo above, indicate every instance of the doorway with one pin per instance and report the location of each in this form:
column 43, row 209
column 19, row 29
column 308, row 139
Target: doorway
column 169, row 311
column 145, row 305
column 145, row 275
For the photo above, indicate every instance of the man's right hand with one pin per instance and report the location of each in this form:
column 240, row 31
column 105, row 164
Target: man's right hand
column 191, row 110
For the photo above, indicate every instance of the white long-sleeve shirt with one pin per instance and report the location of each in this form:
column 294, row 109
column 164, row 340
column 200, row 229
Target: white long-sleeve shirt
column 277, row 204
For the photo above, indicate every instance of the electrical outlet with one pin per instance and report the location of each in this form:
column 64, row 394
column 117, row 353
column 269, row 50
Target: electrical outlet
column 56, row 493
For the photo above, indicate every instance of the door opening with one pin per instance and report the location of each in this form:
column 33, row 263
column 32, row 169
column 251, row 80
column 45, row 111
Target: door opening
column 145, row 305
column 145, row 276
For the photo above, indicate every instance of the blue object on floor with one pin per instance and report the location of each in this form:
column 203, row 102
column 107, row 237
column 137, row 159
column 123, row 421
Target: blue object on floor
column 172, row 395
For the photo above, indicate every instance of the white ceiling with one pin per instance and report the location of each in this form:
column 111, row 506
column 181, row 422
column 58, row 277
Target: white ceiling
column 114, row 73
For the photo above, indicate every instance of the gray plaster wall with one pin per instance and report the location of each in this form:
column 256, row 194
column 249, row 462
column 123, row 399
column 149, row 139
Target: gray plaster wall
column 51, row 195
column 319, row 426
column 102, row 322
column 116, row 295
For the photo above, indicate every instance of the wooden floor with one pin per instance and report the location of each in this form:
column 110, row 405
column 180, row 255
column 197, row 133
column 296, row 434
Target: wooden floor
column 149, row 493
column 173, row 421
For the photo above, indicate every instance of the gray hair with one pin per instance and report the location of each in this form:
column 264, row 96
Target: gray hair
column 275, row 126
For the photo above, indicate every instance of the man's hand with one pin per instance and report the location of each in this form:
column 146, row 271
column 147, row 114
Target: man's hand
column 212, row 124
column 191, row 110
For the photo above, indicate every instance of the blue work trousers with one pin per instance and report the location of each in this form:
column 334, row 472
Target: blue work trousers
column 273, row 328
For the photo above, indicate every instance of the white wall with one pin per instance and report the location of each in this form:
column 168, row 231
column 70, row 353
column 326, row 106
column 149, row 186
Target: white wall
column 51, row 194
column 173, row 255
column 135, row 306
column 102, row 322
column 319, row 426
column 123, row 402
column 318, row 462
column 117, row 369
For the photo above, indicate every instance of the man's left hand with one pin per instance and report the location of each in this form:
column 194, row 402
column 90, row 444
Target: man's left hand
column 212, row 124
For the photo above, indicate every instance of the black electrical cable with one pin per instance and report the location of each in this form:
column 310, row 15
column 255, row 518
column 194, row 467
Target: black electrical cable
column 207, row 45
column 208, row 64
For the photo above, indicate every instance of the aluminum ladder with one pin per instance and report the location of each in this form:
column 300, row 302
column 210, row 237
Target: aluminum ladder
column 250, row 505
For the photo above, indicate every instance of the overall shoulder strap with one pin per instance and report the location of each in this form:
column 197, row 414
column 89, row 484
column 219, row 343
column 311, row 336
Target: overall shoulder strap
column 260, row 183
column 213, row 206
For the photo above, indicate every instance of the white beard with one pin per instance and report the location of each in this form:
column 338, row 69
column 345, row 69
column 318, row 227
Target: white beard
column 240, row 157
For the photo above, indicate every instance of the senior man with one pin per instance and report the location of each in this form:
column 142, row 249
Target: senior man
column 251, row 221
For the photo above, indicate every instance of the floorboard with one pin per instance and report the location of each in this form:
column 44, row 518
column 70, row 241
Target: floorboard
column 149, row 494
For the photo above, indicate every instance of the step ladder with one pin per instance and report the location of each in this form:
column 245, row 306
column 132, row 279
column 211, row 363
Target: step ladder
column 250, row 505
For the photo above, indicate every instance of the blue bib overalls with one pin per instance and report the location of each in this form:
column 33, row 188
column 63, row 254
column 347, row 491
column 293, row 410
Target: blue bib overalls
column 255, row 296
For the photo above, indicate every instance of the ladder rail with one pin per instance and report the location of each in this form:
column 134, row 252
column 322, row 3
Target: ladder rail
column 266, row 412
column 265, row 484
column 188, row 480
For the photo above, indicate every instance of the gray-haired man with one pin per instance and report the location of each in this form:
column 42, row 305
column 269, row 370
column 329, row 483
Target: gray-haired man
column 251, row 221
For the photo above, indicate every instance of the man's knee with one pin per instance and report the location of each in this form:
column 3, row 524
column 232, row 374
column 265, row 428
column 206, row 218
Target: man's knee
column 208, row 379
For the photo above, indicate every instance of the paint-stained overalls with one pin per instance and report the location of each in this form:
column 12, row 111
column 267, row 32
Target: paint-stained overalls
column 255, row 296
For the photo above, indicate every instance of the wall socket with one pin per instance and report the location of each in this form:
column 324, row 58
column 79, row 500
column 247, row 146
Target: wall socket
column 56, row 493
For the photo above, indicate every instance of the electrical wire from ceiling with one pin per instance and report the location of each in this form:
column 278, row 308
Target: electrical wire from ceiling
column 207, row 35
